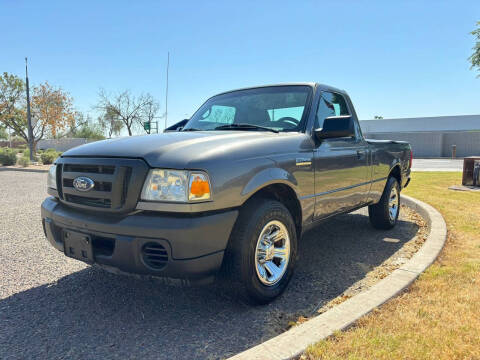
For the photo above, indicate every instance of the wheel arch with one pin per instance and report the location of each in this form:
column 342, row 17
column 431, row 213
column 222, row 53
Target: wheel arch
column 276, row 184
column 396, row 172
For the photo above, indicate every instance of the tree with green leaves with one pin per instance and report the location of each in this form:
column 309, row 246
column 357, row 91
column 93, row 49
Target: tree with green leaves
column 52, row 108
column 12, row 104
column 3, row 133
column 110, row 122
column 85, row 127
column 475, row 57
column 90, row 132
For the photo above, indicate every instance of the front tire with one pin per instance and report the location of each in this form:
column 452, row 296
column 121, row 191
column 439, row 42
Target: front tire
column 260, row 258
column 384, row 214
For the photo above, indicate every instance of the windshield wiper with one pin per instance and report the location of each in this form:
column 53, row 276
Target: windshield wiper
column 244, row 127
column 191, row 129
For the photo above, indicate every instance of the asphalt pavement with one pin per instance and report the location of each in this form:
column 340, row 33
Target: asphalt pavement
column 53, row 307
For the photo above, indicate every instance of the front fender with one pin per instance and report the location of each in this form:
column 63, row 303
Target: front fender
column 268, row 177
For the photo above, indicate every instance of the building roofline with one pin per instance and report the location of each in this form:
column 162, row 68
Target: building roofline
column 421, row 124
column 420, row 117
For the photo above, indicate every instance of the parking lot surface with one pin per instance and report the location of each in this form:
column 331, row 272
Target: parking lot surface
column 55, row 307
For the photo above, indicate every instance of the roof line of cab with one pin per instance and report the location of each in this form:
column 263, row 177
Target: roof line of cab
column 311, row 84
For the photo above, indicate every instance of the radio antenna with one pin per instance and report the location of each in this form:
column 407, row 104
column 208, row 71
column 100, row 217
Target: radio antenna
column 166, row 91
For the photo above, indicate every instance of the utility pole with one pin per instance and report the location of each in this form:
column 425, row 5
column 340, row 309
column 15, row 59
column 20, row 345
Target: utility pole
column 29, row 117
column 166, row 92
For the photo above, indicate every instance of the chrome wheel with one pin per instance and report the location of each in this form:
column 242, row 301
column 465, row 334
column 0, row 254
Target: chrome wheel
column 393, row 202
column 272, row 253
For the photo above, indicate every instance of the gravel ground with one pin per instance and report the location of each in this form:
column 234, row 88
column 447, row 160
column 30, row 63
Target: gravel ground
column 55, row 307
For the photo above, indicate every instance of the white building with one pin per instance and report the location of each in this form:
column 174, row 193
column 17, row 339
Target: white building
column 430, row 136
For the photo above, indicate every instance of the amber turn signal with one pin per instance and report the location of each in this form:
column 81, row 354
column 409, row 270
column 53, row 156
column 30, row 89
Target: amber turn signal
column 199, row 187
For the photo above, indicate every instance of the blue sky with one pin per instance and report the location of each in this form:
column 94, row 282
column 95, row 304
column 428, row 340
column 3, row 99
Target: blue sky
column 396, row 59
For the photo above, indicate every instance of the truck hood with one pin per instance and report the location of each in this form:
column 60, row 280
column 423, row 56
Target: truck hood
column 185, row 150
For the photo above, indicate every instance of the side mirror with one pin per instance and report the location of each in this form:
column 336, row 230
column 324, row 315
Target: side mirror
column 176, row 127
column 336, row 127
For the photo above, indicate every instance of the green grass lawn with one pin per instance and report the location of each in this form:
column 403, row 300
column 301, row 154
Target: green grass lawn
column 438, row 317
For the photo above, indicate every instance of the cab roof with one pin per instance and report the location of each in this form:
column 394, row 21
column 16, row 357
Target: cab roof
column 311, row 84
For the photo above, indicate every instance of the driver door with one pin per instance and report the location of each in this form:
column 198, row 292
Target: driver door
column 340, row 164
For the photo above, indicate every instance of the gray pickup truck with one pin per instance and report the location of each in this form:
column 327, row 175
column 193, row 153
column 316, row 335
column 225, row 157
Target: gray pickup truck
column 228, row 193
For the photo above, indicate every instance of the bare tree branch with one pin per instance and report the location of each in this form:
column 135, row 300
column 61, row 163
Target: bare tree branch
column 127, row 108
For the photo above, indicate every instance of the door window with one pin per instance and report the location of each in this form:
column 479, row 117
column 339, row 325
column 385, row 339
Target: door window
column 331, row 104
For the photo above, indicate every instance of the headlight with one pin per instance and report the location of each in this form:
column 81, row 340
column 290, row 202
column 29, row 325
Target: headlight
column 52, row 177
column 176, row 186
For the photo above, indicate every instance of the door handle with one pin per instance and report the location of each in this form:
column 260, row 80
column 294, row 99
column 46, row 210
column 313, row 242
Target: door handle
column 303, row 161
column 360, row 154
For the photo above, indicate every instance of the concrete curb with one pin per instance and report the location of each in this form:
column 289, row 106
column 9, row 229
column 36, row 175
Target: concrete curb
column 294, row 341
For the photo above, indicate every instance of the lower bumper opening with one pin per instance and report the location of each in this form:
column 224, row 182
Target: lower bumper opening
column 154, row 255
column 103, row 246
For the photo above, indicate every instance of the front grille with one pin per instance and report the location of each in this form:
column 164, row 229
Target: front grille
column 117, row 183
column 154, row 255
column 88, row 201
column 99, row 185
column 128, row 174
column 92, row 169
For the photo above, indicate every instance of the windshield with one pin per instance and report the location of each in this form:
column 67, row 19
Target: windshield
column 280, row 108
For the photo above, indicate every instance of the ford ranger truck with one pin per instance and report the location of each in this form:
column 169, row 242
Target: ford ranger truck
column 227, row 193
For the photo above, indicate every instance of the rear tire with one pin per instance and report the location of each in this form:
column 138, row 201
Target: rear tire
column 260, row 258
column 384, row 214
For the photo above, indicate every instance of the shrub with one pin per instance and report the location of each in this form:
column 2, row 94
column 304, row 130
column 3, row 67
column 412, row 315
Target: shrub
column 48, row 157
column 8, row 156
column 23, row 161
column 26, row 153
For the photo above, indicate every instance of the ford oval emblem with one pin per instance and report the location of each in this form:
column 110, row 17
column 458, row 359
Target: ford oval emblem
column 83, row 183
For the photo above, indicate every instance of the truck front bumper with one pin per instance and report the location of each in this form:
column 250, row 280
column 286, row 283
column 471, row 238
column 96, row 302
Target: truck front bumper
column 146, row 243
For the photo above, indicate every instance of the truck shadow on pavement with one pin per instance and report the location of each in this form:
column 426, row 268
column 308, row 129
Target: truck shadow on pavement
column 94, row 314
